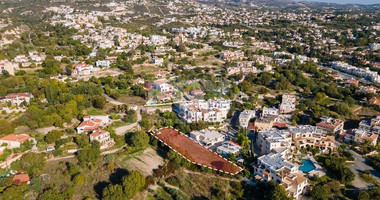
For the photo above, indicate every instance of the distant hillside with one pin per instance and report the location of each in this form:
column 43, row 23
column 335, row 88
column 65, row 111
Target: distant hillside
column 290, row 4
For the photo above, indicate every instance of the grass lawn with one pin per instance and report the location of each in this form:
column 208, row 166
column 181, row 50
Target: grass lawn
column 159, row 193
column 118, row 123
column 94, row 111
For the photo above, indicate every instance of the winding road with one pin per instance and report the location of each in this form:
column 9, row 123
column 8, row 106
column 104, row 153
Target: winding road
column 123, row 129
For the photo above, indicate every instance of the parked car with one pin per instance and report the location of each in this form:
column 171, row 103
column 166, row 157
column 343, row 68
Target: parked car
column 50, row 149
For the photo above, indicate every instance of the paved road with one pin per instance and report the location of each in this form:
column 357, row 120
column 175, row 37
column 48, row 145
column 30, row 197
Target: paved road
column 360, row 164
column 111, row 100
column 72, row 156
column 123, row 129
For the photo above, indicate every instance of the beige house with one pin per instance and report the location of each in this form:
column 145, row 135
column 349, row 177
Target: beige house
column 306, row 135
column 14, row 141
column 8, row 66
column 103, row 137
column 331, row 125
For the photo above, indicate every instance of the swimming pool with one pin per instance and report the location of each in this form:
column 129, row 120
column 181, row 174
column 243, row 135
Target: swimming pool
column 307, row 166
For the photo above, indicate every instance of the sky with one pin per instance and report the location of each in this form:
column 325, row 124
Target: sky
column 365, row 2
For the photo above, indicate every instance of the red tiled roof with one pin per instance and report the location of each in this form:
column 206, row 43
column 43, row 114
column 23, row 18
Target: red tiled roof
column 18, row 179
column 325, row 125
column 15, row 95
column 16, row 138
column 98, row 132
column 279, row 124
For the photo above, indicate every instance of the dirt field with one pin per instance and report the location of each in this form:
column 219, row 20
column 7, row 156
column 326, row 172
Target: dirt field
column 132, row 100
column 146, row 68
column 145, row 161
column 194, row 151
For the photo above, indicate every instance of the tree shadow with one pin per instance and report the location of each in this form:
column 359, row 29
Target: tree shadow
column 115, row 178
column 99, row 188
column 199, row 198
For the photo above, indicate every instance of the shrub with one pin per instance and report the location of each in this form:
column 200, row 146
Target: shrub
column 79, row 179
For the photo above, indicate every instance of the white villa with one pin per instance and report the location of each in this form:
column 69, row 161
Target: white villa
column 212, row 110
column 207, row 137
column 103, row 137
column 288, row 104
column 274, row 140
column 245, row 117
column 228, row 147
column 274, row 167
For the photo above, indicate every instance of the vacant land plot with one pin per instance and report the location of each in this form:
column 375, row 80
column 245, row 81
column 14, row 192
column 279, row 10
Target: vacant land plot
column 132, row 100
column 145, row 161
column 194, row 151
column 145, row 68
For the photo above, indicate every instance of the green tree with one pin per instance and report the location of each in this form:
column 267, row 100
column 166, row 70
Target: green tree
column 133, row 183
column 79, row 179
column 319, row 193
column 139, row 139
column 278, row 193
column 90, row 153
column 6, row 127
column 346, row 175
column 98, row 102
column 82, row 140
column 113, row 192
column 363, row 195
column 146, row 123
column 264, row 79
column 32, row 163
column 53, row 136
column 14, row 192
column 242, row 139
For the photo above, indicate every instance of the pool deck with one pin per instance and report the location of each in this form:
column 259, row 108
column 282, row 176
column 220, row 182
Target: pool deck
column 319, row 171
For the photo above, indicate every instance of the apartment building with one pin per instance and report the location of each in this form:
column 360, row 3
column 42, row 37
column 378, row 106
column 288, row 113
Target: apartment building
column 362, row 72
column 360, row 136
column 244, row 67
column 372, row 125
column 331, row 125
column 307, row 135
column 274, row 167
column 103, row 63
column 270, row 111
column 228, row 55
column 288, row 104
column 245, row 117
column 212, row 110
column 265, row 123
column 274, row 140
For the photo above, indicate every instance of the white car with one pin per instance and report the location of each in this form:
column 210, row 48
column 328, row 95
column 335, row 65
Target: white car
column 50, row 149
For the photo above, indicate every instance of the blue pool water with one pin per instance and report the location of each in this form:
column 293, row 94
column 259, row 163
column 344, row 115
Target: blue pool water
column 307, row 166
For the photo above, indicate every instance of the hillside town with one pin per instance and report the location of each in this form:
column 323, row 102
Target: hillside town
column 156, row 99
